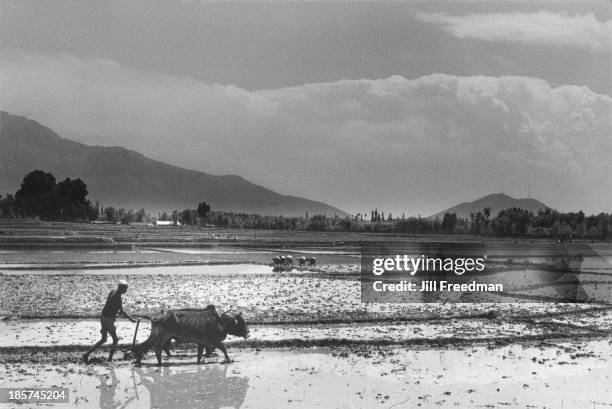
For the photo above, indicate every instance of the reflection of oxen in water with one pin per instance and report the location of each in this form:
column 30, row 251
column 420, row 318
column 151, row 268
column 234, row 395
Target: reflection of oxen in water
column 207, row 386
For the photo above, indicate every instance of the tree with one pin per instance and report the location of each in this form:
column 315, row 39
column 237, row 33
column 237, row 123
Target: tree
column 449, row 222
column 202, row 211
column 72, row 198
column 37, row 182
column 140, row 216
column 318, row 222
column 39, row 195
column 7, row 206
column 74, row 190
column 36, row 195
column 187, row 217
column 109, row 214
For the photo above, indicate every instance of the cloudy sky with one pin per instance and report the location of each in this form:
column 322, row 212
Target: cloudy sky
column 404, row 106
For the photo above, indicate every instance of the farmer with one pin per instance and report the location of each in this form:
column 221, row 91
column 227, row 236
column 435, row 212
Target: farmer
column 109, row 312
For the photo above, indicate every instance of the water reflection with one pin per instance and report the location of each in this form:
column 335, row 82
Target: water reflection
column 109, row 383
column 204, row 386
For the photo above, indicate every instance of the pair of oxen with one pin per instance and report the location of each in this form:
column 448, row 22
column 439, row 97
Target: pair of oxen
column 204, row 327
column 282, row 261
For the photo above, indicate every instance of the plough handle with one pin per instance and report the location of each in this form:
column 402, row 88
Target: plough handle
column 135, row 332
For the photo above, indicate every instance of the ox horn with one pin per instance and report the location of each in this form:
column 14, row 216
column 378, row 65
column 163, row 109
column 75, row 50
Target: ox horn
column 225, row 312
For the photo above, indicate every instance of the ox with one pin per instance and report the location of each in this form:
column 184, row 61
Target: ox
column 301, row 261
column 204, row 327
column 289, row 260
column 312, row 261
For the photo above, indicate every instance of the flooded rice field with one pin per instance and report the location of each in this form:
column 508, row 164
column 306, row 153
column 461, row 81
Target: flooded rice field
column 106, row 270
column 313, row 342
column 48, row 333
column 545, row 375
column 37, row 261
column 262, row 297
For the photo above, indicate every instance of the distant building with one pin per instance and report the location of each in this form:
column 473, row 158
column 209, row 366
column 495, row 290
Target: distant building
column 166, row 223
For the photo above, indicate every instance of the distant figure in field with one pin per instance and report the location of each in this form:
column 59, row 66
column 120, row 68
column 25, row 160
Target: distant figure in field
column 113, row 305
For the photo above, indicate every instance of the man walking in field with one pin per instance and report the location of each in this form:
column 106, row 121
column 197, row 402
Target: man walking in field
column 113, row 305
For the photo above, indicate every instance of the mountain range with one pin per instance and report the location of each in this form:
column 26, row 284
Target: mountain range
column 497, row 202
column 124, row 178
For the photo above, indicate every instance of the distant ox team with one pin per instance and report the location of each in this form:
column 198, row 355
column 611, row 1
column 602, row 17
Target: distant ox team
column 287, row 261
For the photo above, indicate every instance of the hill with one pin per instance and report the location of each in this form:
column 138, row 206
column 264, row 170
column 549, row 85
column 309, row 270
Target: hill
column 124, row 178
column 497, row 202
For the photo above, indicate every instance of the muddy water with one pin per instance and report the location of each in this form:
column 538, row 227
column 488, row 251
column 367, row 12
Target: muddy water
column 187, row 250
column 41, row 259
column 547, row 376
column 86, row 332
column 113, row 269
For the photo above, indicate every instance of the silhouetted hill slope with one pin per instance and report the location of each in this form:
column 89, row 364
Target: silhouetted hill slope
column 124, row 178
column 497, row 202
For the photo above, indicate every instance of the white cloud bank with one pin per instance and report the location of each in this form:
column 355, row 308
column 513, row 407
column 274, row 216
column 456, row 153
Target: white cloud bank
column 414, row 145
column 541, row 28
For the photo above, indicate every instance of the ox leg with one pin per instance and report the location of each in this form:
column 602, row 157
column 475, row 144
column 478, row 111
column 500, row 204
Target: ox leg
column 142, row 349
column 209, row 351
column 158, row 356
column 200, row 350
column 167, row 347
column 220, row 345
column 157, row 348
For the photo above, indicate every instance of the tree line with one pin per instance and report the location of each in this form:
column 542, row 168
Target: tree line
column 41, row 196
column 512, row 222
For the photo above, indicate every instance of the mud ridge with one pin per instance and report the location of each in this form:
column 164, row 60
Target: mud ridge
column 9, row 354
column 364, row 320
column 108, row 266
